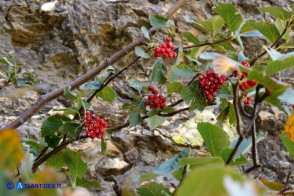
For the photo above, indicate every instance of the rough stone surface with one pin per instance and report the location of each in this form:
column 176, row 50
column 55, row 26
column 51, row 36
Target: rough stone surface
column 61, row 45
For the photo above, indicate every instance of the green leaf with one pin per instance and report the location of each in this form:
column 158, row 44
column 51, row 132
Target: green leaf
column 175, row 87
column 208, row 181
column 68, row 94
column 107, row 94
column 158, row 21
column 85, row 104
column 190, row 37
column 89, row 184
column 269, row 30
column 213, row 24
column 180, row 71
column 194, row 95
column 280, row 65
column 276, row 12
column 155, row 121
column 75, row 164
column 145, row 177
column 51, row 125
column 232, row 115
column 136, row 84
column 171, row 165
column 103, row 145
column 56, row 161
column 93, row 85
column 288, row 143
column 223, row 115
column 276, row 186
column 34, row 144
column 72, row 129
column 215, row 138
column 201, row 161
column 145, row 32
column 153, row 189
column 158, row 72
column 135, row 118
column 141, row 53
column 52, row 140
column 231, row 16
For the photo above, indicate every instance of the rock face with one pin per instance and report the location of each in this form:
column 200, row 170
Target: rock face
column 63, row 44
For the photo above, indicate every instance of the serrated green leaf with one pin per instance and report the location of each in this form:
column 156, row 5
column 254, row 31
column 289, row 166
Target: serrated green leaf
column 89, row 184
column 276, row 12
column 194, row 95
column 135, row 118
column 153, row 189
column 159, row 72
column 280, row 65
column 51, row 125
column 136, row 84
column 77, row 167
column 155, row 121
column 68, row 94
column 269, row 30
column 107, row 94
column 215, row 138
column 288, row 143
column 213, row 24
column 72, row 129
column 171, row 164
column 141, row 53
column 231, row 16
column 145, row 32
column 56, row 161
column 175, row 87
column 158, row 21
column 190, row 37
column 52, row 140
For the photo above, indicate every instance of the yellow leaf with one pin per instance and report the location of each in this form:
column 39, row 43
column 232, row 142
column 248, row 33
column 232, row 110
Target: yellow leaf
column 271, row 184
column 289, row 127
column 11, row 150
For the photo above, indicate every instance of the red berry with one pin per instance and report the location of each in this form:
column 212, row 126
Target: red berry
column 163, row 45
column 168, row 39
column 267, row 91
column 251, row 83
column 157, row 54
column 150, row 88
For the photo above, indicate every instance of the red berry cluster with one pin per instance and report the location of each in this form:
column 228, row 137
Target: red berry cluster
column 243, row 75
column 210, row 83
column 95, row 125
column 166, row 49
column 155, row 100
